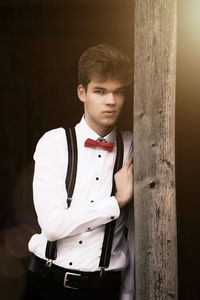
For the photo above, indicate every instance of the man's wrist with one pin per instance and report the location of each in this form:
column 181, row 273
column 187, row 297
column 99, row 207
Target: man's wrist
column 119, row 199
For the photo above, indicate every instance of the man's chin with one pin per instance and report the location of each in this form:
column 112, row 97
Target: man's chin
column 109, row 123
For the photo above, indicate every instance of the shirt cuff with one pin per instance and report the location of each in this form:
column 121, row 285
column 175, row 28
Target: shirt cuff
column 115, row 208
column 108, row 208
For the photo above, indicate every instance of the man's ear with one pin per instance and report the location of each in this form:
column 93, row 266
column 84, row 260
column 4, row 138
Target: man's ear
column 81, row 92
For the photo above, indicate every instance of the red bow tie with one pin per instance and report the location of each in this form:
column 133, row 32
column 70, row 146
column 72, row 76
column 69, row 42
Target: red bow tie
column 106, row 146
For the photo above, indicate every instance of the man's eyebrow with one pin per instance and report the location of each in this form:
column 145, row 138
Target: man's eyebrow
column 120, row 88
column 99, row 88
column 102, row 88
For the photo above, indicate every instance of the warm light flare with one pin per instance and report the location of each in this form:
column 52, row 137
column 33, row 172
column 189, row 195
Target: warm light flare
column 189, row 14
column 188, row 54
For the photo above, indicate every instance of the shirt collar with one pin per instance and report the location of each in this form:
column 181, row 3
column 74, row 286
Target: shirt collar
column 84, row 132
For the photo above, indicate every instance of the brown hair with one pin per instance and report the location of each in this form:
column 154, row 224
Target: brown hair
column 104, row 61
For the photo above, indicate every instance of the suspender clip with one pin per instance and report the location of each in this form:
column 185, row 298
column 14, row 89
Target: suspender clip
column 102, row 270
column 49, row 263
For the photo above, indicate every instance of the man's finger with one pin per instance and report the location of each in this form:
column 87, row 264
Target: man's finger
column 129, row 161
column 130, row 168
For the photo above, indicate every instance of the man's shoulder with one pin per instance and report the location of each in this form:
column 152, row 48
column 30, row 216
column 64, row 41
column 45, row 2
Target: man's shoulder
column 55, row 133
column 127, row 136
column 128, row 142
column 52, row 143
column 52, row 137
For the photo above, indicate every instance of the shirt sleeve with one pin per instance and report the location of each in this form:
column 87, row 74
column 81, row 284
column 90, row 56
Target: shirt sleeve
column 128, row 144
column 49, row 193
column 127, row 282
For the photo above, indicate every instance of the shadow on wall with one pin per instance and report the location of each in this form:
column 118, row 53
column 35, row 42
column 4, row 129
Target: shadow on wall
column 14, row 254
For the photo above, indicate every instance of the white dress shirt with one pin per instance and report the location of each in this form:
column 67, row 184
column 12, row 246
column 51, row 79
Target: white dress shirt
column 79, row 229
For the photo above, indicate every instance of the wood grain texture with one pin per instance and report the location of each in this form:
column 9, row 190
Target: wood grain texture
column 154, row 150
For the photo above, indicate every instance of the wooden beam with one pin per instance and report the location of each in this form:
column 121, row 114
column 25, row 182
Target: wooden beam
column 154, row 150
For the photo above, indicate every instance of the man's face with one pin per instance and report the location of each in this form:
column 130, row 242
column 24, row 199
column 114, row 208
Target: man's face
column 103, row 102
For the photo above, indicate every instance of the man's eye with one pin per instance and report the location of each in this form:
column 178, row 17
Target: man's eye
column 120, row 92
column 101, row 92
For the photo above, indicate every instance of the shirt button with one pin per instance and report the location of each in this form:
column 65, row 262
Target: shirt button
column 80, row 242
column 70, row 263
column 92, row 201
column 112, row 218
column 89, row 228
column 97, row 178
column 99, row 155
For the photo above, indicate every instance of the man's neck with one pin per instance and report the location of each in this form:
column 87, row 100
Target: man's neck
column 101, row 131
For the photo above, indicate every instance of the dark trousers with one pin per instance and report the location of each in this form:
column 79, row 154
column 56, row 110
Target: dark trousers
column 38, row 288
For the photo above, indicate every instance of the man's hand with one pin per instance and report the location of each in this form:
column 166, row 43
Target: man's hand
column 124, row 183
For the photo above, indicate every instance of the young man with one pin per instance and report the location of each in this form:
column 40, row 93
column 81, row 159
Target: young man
column 104, row 72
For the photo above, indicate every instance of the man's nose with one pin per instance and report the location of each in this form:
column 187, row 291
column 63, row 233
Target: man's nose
column 110, row 99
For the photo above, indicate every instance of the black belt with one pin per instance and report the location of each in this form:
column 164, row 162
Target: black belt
column 75, row 279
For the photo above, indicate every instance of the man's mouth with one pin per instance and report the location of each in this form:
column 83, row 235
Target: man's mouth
column 109, row 112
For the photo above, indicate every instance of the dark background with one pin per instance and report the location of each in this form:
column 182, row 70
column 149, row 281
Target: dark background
column 41, row 42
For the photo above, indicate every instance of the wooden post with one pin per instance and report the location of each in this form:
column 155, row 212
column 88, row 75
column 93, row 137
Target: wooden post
column 154, row 150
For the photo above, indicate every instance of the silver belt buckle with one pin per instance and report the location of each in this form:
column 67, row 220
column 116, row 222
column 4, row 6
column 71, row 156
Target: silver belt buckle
column 66, row 279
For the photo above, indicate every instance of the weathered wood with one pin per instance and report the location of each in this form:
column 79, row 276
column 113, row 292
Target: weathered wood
column 154, row 150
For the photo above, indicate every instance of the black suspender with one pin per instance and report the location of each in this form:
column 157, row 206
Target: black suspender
column 72, row 163
column 110, row 227
column 51, row 247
